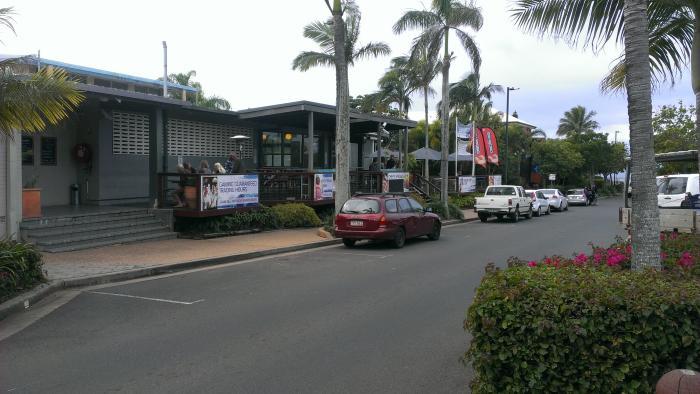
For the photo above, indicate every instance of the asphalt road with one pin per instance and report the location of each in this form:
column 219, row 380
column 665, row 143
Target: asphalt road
column 367, row 319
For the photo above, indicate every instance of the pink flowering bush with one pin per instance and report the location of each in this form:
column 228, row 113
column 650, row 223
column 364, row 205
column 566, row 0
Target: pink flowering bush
column 678, row 251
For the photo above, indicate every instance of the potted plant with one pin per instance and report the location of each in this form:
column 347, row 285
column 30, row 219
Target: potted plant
column 31, row 200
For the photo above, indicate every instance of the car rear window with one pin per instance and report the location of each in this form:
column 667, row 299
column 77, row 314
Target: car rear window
column 549, row 191
column 500, row 191
column 575, row 191
column 672, row 185
column 360, row 205
column 391, row 206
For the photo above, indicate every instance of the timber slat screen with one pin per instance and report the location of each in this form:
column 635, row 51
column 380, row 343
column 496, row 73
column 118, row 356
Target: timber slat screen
column 183, row 192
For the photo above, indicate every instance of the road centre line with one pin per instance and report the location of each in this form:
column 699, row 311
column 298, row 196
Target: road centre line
column 146, row 298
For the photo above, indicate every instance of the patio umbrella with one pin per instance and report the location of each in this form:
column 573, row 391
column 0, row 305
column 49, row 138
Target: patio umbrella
column 426, row 153
column 467, row 157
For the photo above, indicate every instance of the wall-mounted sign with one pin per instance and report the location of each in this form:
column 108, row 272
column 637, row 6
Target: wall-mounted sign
column 467, row 184
column 552, row 177
column 229, row 191
column 49, row 151
column 405, row 177
column 324, row 186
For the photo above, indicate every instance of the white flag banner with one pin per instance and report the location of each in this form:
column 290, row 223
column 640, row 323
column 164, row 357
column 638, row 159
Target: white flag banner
column 464, row 134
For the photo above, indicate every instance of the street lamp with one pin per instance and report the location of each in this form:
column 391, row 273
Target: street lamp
column 508, row 89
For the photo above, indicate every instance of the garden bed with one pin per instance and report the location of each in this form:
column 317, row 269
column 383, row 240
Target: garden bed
column 586, row 323
column 21, row 268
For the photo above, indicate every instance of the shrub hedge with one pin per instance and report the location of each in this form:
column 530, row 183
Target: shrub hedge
column 464, row 201
column 20, row 268
column 439, row 209
column 263, row 218
column 296, row 215
column 550, row 327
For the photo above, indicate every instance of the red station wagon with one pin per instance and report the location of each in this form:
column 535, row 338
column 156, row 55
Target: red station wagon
column 392, row 217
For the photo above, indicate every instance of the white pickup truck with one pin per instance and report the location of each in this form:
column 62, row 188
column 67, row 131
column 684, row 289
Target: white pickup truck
column 504, row 200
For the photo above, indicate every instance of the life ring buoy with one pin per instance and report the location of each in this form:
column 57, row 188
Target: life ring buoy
column 82, row 153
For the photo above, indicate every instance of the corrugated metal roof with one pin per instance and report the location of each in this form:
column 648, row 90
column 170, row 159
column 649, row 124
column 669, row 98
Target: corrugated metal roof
column 82, row 70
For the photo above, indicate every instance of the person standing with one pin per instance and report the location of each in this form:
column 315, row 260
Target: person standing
column 204, row 167
column 391, row 163
column 233, row 164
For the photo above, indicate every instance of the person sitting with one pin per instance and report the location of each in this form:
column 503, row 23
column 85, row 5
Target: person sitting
column 204, row 167
column 188, row 168
column 374, row 166
column 219, row 169
column 391, row 163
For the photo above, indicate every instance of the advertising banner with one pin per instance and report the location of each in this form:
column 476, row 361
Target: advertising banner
column 478, row 148
column 324, row 187
column 467, row 184
column 464, row 133
column 494, row 180
column 404, row 176
column 229, row 191
column 490, row 145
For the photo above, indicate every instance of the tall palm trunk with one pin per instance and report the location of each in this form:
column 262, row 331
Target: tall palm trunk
column 444, row 127
column 695, row 77
column 645, row 211
column 426, row 129
column 342, row 117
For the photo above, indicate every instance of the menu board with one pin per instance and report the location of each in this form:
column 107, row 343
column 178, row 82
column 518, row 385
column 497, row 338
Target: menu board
column 27, row 150
column 49, row 153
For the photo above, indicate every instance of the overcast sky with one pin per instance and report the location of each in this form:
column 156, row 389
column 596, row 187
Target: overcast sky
column 243, row 52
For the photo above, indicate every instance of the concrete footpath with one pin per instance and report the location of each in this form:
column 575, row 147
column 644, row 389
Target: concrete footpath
column 130, row 261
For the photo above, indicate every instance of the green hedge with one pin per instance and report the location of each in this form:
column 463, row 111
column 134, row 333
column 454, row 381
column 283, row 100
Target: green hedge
column 439, row 209
column 581, row 329
column 263, row 218
column 463, row 201
column 296, row 215
column 20, row 268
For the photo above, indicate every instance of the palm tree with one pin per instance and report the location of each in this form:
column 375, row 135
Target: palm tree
column 323, row 32
column 443, row 17
column 337, row 39
column 671, row 33
column 471, row 100
column 577, row 120
column 200, row 99
column 645, row 212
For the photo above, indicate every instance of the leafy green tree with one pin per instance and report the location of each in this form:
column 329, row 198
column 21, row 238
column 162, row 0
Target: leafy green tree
column 556, row 156
column 436, row 24
column 200, row 99
column 674, row 130
column 29, row 103
column 577, row 120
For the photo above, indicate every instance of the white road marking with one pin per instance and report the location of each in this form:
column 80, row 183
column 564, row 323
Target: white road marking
column 146, row 298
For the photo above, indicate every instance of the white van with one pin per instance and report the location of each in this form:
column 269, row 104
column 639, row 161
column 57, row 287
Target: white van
column 672, row 189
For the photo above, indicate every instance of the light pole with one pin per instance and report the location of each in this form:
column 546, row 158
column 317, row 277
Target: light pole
column 615, row 174
column 508, row 89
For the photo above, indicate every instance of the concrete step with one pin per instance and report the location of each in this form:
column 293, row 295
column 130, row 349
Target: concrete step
column 152, row 236
column 97, row 235
column 82, row 219
column 118, row 223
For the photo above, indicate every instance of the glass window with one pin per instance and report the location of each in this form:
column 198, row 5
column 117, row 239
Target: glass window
column 540, row 195
column 500, row 191
column 405, row 206
column 282, row 149
column 415, row 205
column 675, row 185
column 360, row 205
column 391, row 206
column 27, row 150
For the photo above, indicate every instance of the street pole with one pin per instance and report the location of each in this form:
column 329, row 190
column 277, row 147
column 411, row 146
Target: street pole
column 615, row 174
column 508, row 89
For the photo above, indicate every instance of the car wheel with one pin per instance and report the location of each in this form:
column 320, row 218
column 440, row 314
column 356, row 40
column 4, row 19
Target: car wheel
column 399, row 238
column 516, row 215
column 435, row 234
column 539, row 212
column 549, row 210
column 499, row 217
column 349, row 242
column 483, row 217
column 566, row 207
column 529, row 213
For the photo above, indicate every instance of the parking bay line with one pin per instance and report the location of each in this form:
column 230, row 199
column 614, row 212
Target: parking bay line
column 146, row 298
column 379, row 256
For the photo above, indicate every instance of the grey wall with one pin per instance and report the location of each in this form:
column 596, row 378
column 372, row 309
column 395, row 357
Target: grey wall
column 54, row 181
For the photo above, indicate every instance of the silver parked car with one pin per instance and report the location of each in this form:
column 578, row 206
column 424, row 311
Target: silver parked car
column 540, row 204
column 557, row 199
column 577, row 197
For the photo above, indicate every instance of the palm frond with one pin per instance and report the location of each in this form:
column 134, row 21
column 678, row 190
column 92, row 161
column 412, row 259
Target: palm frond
column 372, row 49
column 321, row 33
column 428, row 43
column 472, row 49
column 215, row 102
column 465, row 15
column 6, row 19
column 308, row 59
column 31, row 104
column 416, row 20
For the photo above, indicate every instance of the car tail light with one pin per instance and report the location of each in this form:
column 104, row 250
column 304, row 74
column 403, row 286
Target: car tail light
column 510, row 201
column 382, row 221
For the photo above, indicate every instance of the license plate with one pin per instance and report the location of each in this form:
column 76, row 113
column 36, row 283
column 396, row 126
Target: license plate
column 356, row 223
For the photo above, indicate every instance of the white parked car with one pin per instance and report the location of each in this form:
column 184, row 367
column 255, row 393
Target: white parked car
column 540, row 204
column 577, row 197
column 504, row 200
column 557, row 199
column 673, row 189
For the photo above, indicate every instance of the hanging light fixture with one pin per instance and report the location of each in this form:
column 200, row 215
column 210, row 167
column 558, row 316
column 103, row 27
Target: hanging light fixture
column 288, row 136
